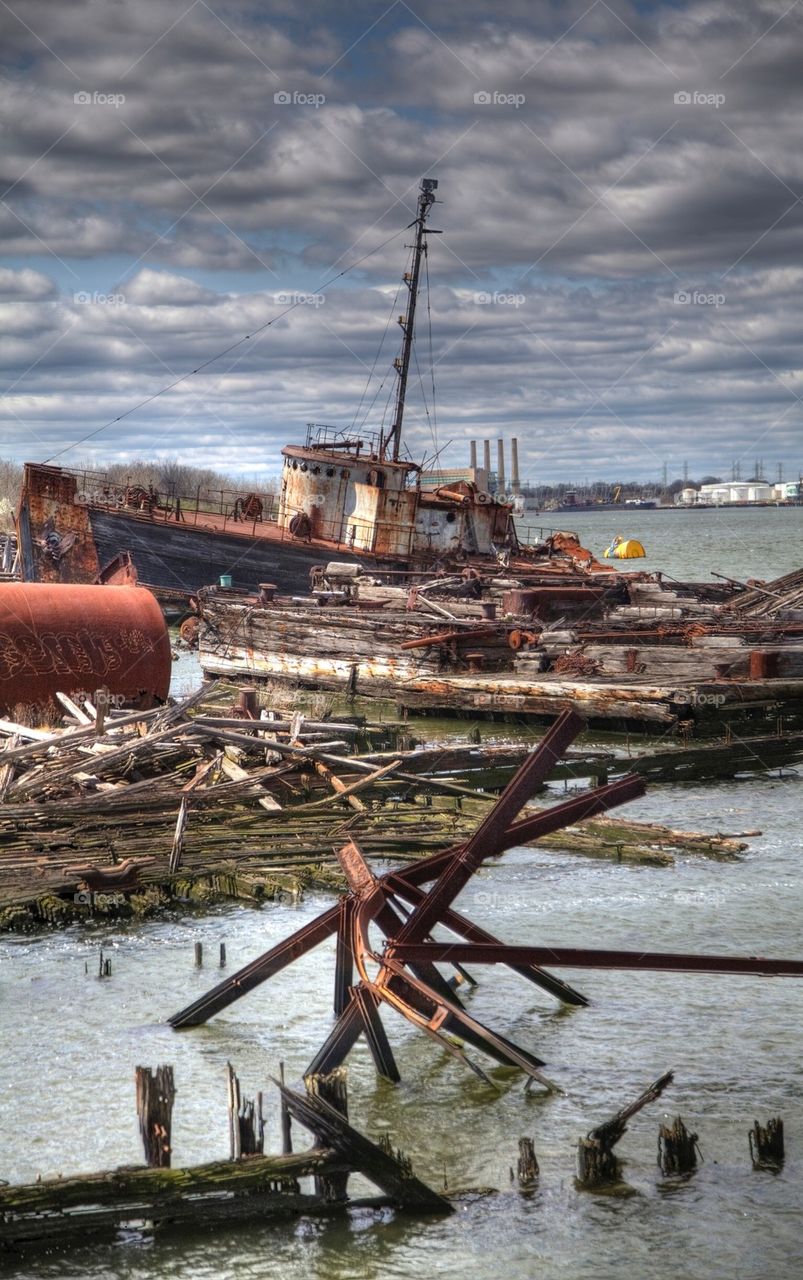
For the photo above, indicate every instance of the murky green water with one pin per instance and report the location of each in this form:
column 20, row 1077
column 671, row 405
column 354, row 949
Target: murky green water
column 70, row 1043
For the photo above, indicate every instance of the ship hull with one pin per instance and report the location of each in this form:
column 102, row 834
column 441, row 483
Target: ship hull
column 181, row 559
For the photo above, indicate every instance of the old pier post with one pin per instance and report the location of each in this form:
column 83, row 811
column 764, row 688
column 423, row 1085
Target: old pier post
column 597, row 1163
column 246, row 1120
column 766, row 1144
column 331, row 1087
column 156, row 1094
column 677, row 1148
column 285, row 1120
column 527, row 1169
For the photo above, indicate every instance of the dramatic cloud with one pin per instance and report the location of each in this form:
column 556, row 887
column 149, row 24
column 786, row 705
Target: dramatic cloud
column 617, row 283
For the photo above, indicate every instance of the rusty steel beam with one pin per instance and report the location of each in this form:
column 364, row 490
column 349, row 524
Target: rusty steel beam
column 359, row 1017
column 567, row 813
column 448, row 1014
column 589, row 958
column 466, row 928
column 259, row 970
column 340, row 1041
column 489, row 836
column 375, row 1034
column 385, row 915
column 587, row 805
column 344, row 956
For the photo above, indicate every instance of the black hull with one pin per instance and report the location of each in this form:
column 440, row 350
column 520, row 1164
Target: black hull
column 181, row 558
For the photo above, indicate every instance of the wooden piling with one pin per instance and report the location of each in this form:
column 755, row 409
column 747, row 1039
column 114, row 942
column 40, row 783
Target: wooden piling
column 597, row 1165
column 766, row 1144
column 199, row 955
column 155, row 1097
column 286, row 1122
column 528, row 1171
column 222, row 955
column 246, row 1120
column 332, row 1088
column 677, row 1148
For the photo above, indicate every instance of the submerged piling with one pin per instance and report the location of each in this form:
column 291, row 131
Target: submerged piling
column 677, row 1148
column 246, row 1120
column 156, row 1094
column 331, row 1087
column 528, row 1171
column 766, row 1144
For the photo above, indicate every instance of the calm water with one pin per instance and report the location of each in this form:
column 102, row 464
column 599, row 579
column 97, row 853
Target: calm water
column 692, row 545
column 70, row 1043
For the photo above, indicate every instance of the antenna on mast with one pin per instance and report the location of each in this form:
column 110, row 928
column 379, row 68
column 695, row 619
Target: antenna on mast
column 426, row 199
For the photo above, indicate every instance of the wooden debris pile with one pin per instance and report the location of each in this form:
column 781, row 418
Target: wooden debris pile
column 128, row 813
column 782, row 599
column 106, row 813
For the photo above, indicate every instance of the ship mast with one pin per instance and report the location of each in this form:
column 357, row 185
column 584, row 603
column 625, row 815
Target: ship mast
column 426, row 199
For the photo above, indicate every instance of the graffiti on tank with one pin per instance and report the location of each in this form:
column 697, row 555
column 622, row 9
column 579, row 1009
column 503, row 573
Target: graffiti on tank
column 70, row 652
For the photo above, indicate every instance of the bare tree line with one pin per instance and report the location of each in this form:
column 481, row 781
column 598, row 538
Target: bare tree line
column 169, row 476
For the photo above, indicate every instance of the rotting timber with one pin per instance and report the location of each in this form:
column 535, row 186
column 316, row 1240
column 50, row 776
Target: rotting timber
column 254, row 1188
column 404, row 976
column 639, row 655
column 133, row 813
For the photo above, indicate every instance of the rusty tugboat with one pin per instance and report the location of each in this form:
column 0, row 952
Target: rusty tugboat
column 356, row 497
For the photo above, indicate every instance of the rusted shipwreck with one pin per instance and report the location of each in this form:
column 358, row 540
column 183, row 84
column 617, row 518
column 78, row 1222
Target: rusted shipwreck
column 353, row 494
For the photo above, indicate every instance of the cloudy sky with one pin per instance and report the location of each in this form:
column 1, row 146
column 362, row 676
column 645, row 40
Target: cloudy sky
column 618, row 283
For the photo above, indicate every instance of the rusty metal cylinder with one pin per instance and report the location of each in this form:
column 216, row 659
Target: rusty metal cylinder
column 80, row 639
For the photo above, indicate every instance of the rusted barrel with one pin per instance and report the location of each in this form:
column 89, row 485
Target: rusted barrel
column 69, row 639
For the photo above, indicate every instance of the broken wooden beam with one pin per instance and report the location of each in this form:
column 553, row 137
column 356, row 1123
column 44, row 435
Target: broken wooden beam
column 597, row 1163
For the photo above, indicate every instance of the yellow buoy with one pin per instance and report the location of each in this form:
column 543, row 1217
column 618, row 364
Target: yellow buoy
column 624, row 549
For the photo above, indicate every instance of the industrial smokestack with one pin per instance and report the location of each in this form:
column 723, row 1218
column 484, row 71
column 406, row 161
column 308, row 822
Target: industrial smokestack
column 500, row 466
column 486, row 458
column 515, row 483
column 473, row 461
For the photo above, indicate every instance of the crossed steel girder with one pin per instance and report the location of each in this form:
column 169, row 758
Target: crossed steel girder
column 404, row 974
